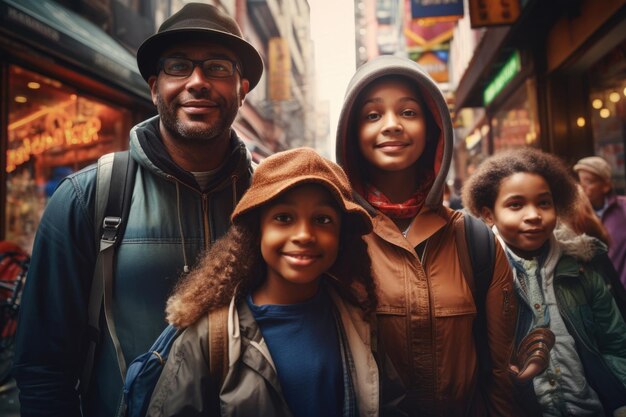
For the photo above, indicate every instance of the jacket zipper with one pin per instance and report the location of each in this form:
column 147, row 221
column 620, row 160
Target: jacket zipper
column 422, row 261
column 205, row 219
column 568, row 323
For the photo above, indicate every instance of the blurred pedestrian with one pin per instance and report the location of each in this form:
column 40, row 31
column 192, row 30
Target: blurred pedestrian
column 451, row 200
column 594, row 175
column 191, row 170
column 584, row 222
column 522, row 194
column 394, row 139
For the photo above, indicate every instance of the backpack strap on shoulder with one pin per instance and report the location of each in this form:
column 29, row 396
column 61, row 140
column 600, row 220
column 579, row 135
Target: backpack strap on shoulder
column 481, row 245
column 476, row 247
column 218, row 350
column 114, row 187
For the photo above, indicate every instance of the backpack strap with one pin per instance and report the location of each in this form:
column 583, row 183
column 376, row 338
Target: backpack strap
column 218, row 351
column 476, row 247
column 113, row 197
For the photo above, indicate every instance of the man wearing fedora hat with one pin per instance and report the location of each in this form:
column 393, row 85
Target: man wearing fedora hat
column 192, row 168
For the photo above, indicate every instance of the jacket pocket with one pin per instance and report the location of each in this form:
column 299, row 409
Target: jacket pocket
column 393, row 343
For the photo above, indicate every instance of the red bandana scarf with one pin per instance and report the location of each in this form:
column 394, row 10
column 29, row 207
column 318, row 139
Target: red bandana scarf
column 405, row 210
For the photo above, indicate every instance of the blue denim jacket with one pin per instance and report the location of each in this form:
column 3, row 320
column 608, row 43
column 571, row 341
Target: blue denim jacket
column 165, row 214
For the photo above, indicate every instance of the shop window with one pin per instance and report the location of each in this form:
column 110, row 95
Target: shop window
column 515, row 124
column 53, row 131
column 607, row 101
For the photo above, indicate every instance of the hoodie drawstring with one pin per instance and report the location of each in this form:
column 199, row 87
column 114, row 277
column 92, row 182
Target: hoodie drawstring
column 180, row 228
column 234, row 179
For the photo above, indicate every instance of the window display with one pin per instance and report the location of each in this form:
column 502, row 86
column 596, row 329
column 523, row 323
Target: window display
column 607, row 99
column 516, row 124
column 53, row 131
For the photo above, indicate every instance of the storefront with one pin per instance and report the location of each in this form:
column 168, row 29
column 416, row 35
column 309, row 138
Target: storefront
column 69, row 94
column 607, row 105
column 510, row 116
column 586, row 60
column 566, row 93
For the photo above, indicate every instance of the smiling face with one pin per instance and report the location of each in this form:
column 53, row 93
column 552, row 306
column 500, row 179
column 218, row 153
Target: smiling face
column 197, row 108
column 524, row 213
column 391, row 126
column 299, row 242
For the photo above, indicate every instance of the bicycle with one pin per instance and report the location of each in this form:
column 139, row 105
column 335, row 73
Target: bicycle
column 14, row 262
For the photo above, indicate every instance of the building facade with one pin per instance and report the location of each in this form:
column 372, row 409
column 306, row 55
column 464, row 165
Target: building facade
column 71, row 89
column 555, row 79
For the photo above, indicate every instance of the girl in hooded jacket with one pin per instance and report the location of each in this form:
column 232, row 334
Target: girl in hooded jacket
column 523, row 194
column 395, row 140
column 295, row 272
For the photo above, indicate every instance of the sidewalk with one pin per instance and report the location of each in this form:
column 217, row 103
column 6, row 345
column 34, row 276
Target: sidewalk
column 9, row 404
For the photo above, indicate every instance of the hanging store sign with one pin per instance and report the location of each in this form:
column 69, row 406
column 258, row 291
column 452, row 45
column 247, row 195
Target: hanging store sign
column 436, row 8
column 493, row 12
column 435, row 63
column 509, row 70
column 428, row 43
column 280, row 70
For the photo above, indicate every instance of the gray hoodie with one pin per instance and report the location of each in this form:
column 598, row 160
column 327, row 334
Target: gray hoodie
column 346, row 146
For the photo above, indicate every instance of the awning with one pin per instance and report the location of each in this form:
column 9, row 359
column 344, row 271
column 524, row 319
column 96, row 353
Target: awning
column 46, row 25
column 470, row 88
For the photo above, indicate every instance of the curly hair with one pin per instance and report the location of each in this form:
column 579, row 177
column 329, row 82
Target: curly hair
column 482, row 188
column 233, row 266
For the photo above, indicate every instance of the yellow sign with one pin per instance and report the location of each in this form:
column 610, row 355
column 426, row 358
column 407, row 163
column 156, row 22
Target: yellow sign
column 280, row 70
column 493, row 12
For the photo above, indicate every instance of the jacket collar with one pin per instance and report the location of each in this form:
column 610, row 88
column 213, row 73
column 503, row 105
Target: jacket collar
column 423, row 226
column 148, row 149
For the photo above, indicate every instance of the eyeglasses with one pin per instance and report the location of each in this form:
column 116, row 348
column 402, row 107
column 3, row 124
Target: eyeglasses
column 211, row 68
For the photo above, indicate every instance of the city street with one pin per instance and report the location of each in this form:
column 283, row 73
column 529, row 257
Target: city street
column 409, row 99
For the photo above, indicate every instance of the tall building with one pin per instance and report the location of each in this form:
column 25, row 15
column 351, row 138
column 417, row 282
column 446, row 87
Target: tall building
column 287, row 97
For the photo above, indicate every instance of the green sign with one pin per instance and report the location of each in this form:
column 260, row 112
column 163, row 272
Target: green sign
column 508, row 71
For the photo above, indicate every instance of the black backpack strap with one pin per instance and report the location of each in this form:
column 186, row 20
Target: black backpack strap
column 114, row 188
column 480, row 246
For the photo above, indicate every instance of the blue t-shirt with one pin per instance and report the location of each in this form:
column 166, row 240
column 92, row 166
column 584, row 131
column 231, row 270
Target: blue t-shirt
column 302, row 339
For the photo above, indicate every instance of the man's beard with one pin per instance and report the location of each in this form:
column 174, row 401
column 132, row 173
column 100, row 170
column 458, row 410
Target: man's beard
column 210, row 131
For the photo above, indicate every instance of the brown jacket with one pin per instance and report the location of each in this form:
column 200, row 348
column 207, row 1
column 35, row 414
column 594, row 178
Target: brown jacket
column 425, row 319
column 426, row 309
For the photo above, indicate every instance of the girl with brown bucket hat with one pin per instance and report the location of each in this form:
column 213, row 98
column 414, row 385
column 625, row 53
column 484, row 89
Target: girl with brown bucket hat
column 292, row 276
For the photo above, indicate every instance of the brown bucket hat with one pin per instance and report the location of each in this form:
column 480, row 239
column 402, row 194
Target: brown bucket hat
column 286, row 170
column 200, row 21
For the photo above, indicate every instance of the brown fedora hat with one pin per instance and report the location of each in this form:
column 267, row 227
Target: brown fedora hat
column 200, row 21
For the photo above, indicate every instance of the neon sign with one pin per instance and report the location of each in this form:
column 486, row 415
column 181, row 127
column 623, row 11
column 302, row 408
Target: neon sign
column 60, row 131
column 509, row 70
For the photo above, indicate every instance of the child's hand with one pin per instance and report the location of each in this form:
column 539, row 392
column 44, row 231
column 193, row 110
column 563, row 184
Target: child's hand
column 533, row 355
column 530, row 371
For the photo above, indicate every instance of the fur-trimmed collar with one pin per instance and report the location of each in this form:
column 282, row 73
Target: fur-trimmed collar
column 582, row 247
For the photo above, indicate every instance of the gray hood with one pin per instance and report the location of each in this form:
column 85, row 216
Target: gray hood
column 347, row 152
